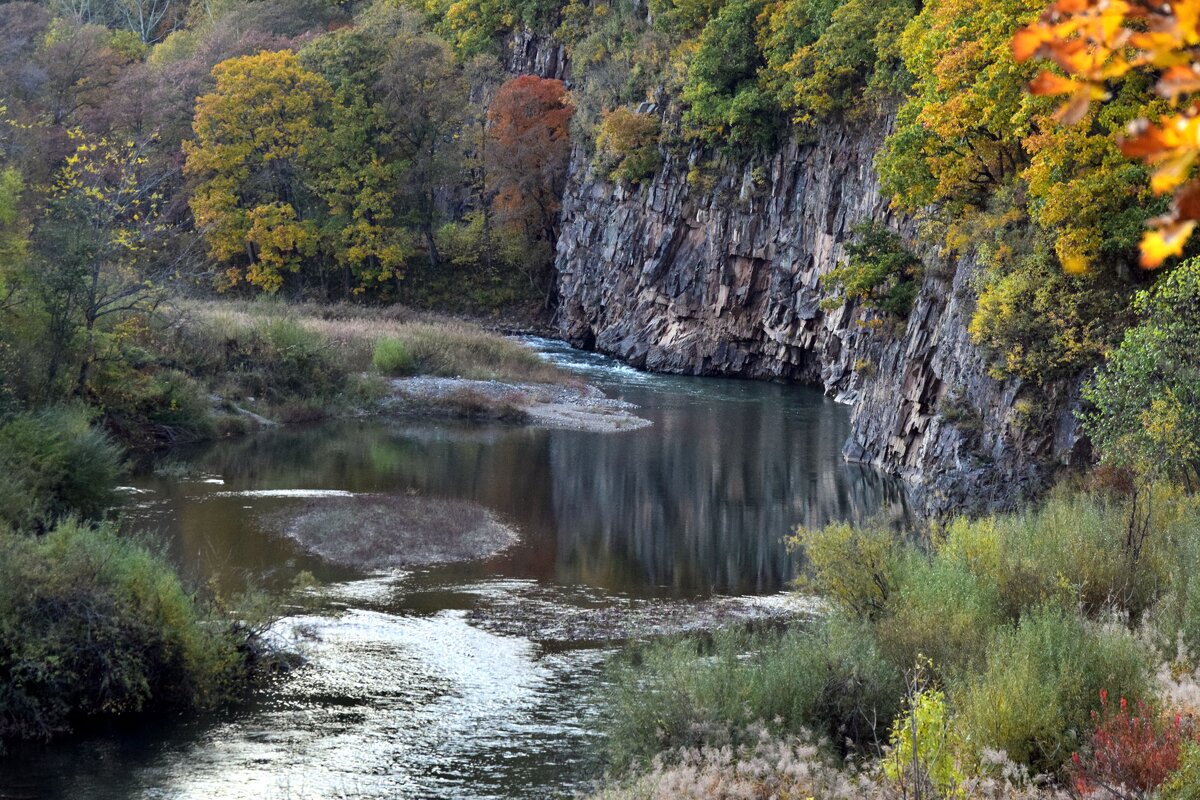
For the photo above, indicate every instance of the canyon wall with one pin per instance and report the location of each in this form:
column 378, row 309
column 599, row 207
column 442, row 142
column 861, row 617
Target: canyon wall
column 720, row 273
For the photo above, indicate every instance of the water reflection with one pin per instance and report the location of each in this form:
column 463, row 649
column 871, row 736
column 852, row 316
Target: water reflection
column 698, row 503
column 404, row 696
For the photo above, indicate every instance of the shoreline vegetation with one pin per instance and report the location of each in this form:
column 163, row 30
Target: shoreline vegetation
column 1035, row 654
column 95, row 624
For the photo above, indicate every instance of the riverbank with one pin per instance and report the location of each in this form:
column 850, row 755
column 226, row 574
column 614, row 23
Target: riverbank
column 266, row 363
column 576, row 407
column 1038, row 654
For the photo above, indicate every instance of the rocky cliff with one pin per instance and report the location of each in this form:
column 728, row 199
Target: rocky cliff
column 715, row 268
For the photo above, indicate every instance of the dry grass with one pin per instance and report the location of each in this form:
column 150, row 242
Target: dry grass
column 794, row 768
column 439, row 346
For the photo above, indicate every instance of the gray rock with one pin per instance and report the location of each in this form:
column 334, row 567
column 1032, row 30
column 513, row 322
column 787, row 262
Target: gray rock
column 727, row 282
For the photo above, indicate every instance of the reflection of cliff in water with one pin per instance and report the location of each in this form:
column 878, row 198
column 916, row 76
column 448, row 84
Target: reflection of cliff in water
column 702, row 502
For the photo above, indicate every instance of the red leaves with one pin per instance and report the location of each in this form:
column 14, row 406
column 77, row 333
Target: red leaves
column 528, row 121
column 1137, row 751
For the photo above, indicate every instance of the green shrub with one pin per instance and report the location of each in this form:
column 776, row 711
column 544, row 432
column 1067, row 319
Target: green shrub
column 54, row 463
column 392, row 357
column 879, row 270
column 1071, row 550
column 95, row 625
column 855, row 566
column 627, row 146
column 940, row 611
column 1184, row 783
column 1043, row 680
column 829, row 679
column 1175, row 618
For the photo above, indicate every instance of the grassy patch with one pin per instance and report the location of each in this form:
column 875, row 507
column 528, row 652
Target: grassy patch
column 356, row 335
column 53, row 463
column 1015, row 627
column 93, row 625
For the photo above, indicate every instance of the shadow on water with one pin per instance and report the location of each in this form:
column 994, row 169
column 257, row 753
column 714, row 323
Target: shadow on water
column 403, row 696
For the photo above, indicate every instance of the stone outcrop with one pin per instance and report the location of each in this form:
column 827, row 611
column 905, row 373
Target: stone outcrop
column 715, row 268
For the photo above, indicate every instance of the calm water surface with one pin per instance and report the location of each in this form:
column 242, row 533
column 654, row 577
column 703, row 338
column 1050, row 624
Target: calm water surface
column 404, row 695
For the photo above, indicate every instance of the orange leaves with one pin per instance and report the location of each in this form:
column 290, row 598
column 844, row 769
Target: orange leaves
column 1095, row 42
column 1164, row 241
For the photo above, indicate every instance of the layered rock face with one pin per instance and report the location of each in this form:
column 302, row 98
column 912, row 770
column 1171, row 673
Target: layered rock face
column 721, row 274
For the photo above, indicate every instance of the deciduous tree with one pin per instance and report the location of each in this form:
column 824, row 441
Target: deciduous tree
column 255, row 201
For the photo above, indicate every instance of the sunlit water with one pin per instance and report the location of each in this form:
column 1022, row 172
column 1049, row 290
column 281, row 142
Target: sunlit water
column 404, row 694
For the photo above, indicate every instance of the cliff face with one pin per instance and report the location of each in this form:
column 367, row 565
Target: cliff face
column 722, row 275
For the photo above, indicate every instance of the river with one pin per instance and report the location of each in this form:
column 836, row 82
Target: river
column 407, row 692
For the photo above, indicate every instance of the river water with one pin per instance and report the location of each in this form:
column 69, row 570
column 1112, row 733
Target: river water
column 405, row 693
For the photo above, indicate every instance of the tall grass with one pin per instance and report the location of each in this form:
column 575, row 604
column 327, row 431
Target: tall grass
column 694, row 692
column 54, row 463
column 437, row 346
column 93, row 624
column 1022, row 621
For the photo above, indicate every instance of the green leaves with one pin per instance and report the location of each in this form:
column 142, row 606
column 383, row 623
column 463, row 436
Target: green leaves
column 879, row 270
column 1147, row 397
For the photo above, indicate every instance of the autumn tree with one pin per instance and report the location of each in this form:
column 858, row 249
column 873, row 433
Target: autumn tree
column 530, row 125
column 94, row 248
column 627, row 145
column 1097, row 45
column 424, row 103
column 255, row 201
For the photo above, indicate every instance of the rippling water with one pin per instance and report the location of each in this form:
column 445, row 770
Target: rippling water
column 404, row 693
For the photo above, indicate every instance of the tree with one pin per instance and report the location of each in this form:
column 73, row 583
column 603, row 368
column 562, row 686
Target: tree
column 424, row 102
column 530, row 125
column 627, row 145
column 94, row 244
column 821, row 60
column 255, row 201
column 1146, row 399
column 353, row 173
column 726, row 104
column 958, row 136
column 1097, row 44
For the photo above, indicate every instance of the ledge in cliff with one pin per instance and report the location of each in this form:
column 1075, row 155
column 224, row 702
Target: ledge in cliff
column 725, row 280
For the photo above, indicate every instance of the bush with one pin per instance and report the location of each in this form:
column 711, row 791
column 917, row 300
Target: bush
column 627, row 146
column 925, row 748
column 392, row 357
column 95, row 625
column 940, row 611
column 1132, row 747
column 690, row 692
column 854, row 566
column 1184, row 783
column 1072, row 550
column 52, row 464
column 1042, row 681
column 879, row 270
